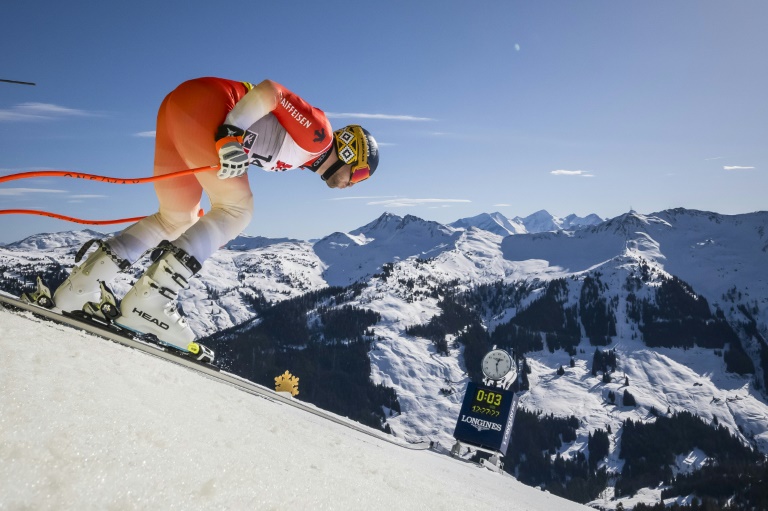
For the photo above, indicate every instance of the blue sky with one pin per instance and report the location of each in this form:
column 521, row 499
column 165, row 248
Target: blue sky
column 591, row 106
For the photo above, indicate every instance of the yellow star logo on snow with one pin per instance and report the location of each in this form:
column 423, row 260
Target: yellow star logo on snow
column 287, row 382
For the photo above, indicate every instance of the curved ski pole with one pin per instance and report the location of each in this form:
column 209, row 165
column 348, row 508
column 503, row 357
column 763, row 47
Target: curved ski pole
column 104, row 179
column 76, row 220
column 68, row 218
column 92, row 177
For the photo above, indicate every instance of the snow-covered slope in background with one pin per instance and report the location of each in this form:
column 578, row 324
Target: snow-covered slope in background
column 661, row 379
column 51, row 240
column 88, row 424
column 713, row 253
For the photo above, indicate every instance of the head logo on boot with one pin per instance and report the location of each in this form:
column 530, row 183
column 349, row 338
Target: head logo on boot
column 145, row 316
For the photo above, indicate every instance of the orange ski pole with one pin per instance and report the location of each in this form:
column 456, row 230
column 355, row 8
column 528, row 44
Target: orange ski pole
column 91, row 177
column 103, row 179
column 68, row 218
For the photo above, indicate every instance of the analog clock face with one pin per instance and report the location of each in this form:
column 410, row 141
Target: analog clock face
column 496, row 364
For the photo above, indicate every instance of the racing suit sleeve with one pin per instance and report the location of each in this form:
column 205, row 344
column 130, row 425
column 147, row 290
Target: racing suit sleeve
column 257, row 103
column 307, row 125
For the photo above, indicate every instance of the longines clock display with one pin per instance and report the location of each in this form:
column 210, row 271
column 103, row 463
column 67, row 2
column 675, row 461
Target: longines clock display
column 486, row 417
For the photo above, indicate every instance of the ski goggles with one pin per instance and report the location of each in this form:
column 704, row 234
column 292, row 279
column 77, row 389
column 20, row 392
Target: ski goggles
column 352, row 149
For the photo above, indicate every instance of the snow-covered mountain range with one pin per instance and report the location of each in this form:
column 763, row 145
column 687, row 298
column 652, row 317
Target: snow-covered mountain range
column 404, row 265
column 541, row 221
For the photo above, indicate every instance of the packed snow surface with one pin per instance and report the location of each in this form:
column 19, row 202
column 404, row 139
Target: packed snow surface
column 89, row 424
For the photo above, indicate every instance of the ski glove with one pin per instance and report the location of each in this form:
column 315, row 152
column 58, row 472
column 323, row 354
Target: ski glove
column 232, row 157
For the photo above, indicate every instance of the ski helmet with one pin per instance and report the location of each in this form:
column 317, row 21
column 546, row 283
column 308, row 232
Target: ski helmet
column 356, row 147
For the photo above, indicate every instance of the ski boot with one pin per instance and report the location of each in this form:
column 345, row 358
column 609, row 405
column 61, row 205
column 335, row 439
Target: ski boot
column 83, row 284
column 149, row 307
column 40, row 296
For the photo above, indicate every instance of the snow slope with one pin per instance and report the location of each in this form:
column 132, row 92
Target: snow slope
column 88, row 424
column 713, row 253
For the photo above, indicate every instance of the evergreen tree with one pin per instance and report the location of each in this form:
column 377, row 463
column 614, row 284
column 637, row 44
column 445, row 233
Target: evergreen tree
column 599, row 445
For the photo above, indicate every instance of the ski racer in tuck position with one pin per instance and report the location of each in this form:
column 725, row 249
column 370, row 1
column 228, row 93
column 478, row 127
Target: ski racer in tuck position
column 209, row 122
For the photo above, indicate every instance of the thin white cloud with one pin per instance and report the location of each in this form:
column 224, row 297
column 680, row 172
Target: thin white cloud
column 715, row 158
column 145, row 134
column 409, row 203
column 502, row 205
column 18, row 192
column 385, row 117
column 51, row 109
column 736, row 167
column 39, row 112
column 580, row 173
column 364, row 197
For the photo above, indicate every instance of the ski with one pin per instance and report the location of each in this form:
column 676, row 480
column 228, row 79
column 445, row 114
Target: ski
column 158, row 350
column 96, row 326
column 102, row 315
column 149, row 339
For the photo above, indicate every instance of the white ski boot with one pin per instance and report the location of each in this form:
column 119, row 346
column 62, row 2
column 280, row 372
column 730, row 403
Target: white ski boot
column 83, row 284
column 149, row 307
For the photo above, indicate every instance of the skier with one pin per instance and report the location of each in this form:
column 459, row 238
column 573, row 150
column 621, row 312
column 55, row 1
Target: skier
column 209, row 122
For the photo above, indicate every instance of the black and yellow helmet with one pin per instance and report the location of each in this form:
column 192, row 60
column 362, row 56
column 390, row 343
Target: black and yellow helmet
column 355, row 146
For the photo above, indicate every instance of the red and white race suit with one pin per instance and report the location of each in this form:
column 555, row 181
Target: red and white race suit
column 282, row 131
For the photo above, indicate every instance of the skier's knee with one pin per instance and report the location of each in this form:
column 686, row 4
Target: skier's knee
column 174, row 223
column 238, row 214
